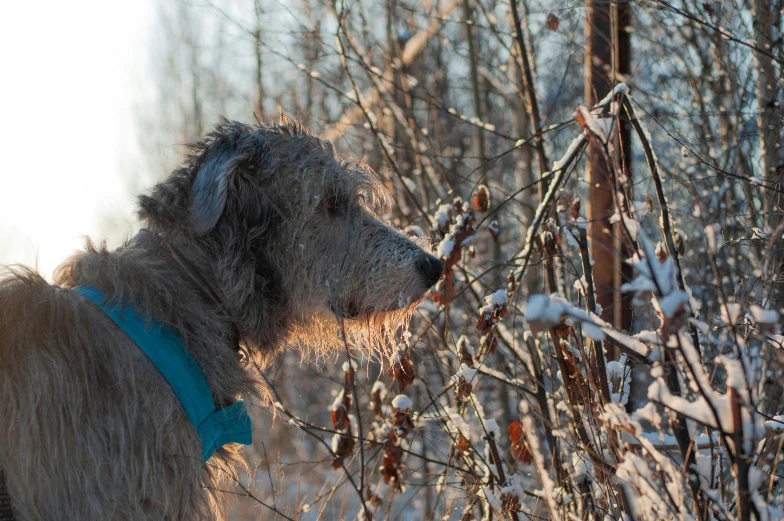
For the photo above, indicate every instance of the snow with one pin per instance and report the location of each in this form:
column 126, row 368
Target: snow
column 776, row 424
column 381, row 389
column 630, row 343
column 600, row 127
column 571, row 238
column 442, row 216
column 463, row 344
column 574, row 146
column 338, row 403
column 415, row 230
column 657, row 278
column 513, row 488
column 620, row 88
column 592, row 331
column 777, row 340
column 493, row 227
column 542, row 312
column 445, row 247
column 714, row 237
column 632, row 225
column 698, row 410
column 457, row 424
column 763, row 316
column 636, row 469
column 730, row 313
column 492, row 428
column 466, row 373
column 536, row 448
column 650, row 414
column 346, row 366
column 670, row 304
column 581, row 285
column 401, row 402
column 618, row 374
column 336, row 442
column 641, row 208
column 496, row 300
column 735, row 377
column 615, row 370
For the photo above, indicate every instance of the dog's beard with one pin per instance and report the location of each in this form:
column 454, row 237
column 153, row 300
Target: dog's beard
column 365, row 311
column 323, row 332
column 351, row 310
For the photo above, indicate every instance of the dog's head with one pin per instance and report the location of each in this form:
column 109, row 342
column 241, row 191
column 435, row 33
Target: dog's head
column 292, row 232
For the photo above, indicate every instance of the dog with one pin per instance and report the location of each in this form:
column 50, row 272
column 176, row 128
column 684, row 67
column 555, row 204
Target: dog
column 264, row 237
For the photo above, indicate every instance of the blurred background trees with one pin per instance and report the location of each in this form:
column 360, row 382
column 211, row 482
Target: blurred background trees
column 652, row 220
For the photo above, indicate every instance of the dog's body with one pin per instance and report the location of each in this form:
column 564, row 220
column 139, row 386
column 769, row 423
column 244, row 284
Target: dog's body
column 285, row 235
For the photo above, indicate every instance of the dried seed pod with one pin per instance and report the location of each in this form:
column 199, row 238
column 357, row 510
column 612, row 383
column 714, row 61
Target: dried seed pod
column 574, row 208
column 488, row 343
column 481, row 199
column 553, row 22
column 680, row 240
column 661, row 252
column 401, row 412
column 378, row 396
column 495, row 309
column 465, row 351
column 519, row 445
column 511, row 284
column 510, row 503
column 401, row 370
column 391, row 464
column 343, row 446
column 494, row 228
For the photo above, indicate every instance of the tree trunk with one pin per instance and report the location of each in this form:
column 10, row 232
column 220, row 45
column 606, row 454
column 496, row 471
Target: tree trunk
column 607, row 57
column 767, row 120
column 259, row 65
column 479, row 134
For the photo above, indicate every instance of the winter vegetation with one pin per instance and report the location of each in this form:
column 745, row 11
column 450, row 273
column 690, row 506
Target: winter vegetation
column 602, row 181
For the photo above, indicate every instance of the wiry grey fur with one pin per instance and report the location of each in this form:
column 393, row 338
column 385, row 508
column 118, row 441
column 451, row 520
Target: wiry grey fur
column 283, row 229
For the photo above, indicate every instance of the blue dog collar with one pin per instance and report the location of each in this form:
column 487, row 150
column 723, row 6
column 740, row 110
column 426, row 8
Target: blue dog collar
column 165, row 349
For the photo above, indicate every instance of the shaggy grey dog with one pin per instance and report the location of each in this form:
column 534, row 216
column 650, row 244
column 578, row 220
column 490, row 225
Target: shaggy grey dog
column 285, row 234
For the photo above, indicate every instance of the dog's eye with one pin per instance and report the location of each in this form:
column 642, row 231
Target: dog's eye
column 331, row 204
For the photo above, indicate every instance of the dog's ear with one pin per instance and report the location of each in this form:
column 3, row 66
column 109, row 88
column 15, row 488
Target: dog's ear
column 210, row 189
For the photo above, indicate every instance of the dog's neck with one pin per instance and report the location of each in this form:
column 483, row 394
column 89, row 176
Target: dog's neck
column 138, row 273
column 209, row 291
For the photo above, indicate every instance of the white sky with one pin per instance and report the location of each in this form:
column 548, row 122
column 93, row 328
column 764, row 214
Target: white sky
column 68, row 74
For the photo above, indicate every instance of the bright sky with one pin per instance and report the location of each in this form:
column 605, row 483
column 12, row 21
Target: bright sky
column 68, row 74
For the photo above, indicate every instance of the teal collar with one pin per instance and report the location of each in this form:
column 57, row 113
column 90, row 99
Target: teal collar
column 165, row 349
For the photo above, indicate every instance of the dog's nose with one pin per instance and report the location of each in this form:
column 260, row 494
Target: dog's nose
column 431, row 268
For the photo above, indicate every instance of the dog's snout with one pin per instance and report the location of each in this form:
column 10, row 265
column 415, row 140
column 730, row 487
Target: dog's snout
column 431, row 268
